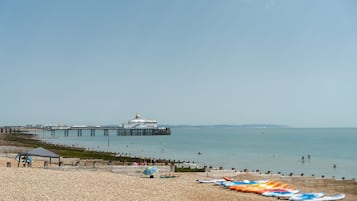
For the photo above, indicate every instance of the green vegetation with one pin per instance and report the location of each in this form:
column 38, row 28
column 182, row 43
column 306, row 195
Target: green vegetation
column 29, row 140
column 183, row 169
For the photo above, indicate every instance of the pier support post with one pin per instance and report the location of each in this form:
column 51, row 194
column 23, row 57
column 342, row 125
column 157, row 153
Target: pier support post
column 106, row 132
column 79, row 132
column 53, row 133
column 66, row 132
column 92, row 132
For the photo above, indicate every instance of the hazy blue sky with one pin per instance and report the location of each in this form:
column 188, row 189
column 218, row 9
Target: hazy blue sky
column 179, row 62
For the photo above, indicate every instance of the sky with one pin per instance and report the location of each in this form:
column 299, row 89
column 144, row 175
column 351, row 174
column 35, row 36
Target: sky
column 194, row 62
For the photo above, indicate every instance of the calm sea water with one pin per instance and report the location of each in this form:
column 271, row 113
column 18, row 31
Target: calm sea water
column 264, row 149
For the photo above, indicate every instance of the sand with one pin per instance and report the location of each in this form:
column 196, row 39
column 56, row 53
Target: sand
column 38, row 183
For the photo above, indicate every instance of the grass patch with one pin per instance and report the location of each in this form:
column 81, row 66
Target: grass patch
column 183, row 169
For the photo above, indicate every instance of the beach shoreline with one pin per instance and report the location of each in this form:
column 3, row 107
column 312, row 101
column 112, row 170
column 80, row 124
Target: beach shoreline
column 100, row 182
column 85, row 183
column 267, row 150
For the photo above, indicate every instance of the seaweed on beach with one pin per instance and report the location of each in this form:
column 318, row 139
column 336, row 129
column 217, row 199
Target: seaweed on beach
column 31, row 141
column 188, row 169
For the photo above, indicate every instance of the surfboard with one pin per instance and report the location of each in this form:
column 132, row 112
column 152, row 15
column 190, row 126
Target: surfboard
column 244, row 182
column 280, row 193
column 329, row 198
column 305, row 196
column 209, row 180
column 213, row 180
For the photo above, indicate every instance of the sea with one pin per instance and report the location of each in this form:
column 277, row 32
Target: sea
column 319, row 152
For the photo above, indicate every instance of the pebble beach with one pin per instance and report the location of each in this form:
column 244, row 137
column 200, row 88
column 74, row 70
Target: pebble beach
column 39, row 183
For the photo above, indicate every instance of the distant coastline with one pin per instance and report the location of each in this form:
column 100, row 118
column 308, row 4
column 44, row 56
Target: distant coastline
column 231, row 125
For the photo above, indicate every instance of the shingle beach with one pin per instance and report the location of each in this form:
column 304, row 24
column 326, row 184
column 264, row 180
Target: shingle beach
column 38, row 183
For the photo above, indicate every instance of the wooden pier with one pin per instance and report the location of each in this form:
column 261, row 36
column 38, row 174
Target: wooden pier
column 119, row 131
column 9, row 129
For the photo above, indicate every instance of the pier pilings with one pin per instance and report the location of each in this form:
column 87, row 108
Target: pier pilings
column 7, row 129
column 107, row 130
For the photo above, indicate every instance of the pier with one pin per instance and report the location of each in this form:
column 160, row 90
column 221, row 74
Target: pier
column 134, row 127
column 9, row 129
column 93, row 130
column 119, row 131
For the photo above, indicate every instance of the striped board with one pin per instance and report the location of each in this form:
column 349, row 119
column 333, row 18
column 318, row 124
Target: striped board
column 210, row 180
column 244, row 182
column 305, row 196
column 213, row 180
column 329, row 198
column 288, row 194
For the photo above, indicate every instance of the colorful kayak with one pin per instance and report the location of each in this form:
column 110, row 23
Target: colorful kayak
column 305, row 196
column 329, row 198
